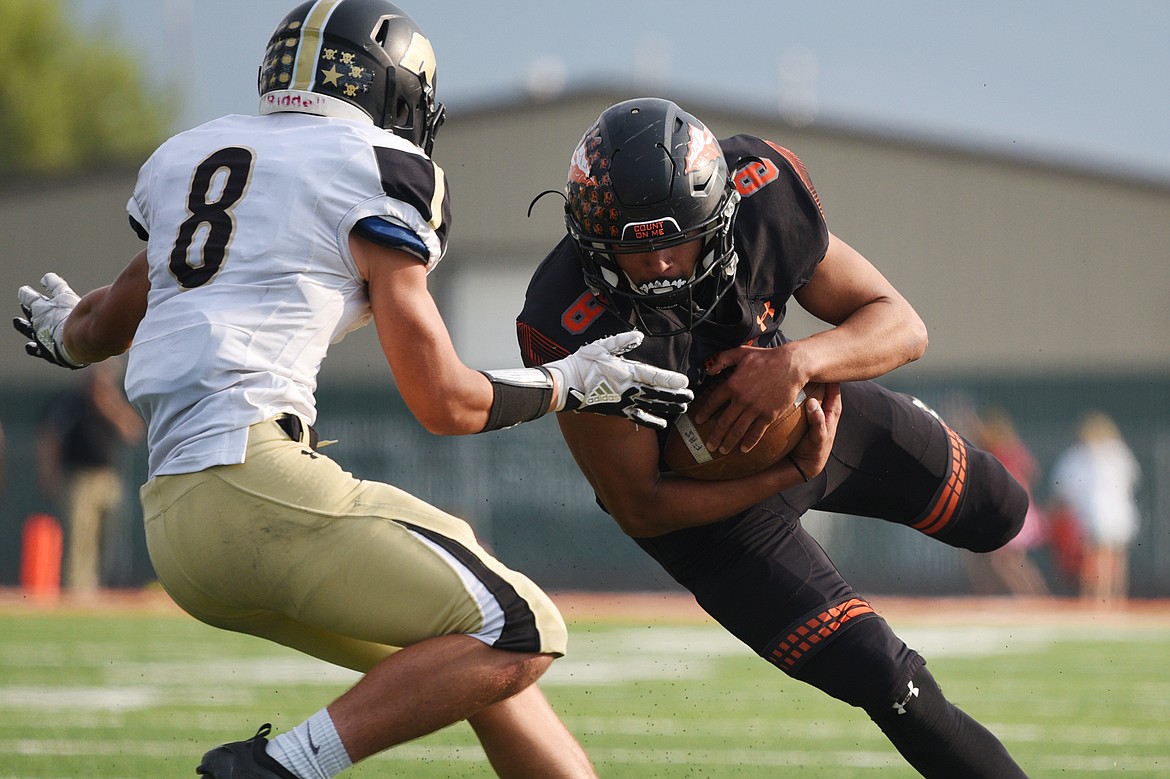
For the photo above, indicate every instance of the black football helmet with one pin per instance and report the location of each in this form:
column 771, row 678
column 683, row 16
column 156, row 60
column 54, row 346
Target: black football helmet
column 354, row 58
column 646, row 176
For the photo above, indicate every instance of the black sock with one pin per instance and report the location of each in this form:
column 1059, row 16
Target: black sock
column 939, row 739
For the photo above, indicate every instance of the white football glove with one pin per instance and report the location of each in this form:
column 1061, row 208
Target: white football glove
column 598, row 379
column 44, row 320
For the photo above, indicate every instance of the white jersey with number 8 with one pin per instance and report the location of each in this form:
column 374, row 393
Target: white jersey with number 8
column 247, row 222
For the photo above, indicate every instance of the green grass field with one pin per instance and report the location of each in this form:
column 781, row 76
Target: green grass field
column 137, row 692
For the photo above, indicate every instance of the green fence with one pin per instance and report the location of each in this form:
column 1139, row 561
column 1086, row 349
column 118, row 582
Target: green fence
column 522, row 492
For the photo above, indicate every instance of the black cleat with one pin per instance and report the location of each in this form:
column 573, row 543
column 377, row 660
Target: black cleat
column 244, row 760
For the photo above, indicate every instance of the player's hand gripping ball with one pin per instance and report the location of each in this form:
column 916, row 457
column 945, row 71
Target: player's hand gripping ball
column 687, row 455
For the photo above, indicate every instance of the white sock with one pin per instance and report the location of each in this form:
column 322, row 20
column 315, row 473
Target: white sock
column 311, row 750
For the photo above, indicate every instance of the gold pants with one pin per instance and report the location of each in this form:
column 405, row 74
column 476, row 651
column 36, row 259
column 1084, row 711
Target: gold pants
column 289, row 547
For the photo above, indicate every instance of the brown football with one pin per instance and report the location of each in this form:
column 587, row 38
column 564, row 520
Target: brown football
column 685, row 453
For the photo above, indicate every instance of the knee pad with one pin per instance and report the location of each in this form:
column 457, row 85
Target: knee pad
column 866, row 665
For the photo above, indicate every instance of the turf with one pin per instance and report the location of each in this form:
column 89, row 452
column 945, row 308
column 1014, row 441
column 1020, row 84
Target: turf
column 143, row 692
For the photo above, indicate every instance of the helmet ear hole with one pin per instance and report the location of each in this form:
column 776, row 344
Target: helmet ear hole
column 402, row 113
column 382, row 33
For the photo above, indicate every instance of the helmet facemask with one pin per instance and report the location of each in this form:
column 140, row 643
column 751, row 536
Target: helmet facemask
column 417, row 121
column 433, row 115
column 664, row 306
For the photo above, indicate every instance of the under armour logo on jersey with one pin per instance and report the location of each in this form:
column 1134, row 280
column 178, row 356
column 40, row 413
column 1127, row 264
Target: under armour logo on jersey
column 768, row 313
column 900, row 706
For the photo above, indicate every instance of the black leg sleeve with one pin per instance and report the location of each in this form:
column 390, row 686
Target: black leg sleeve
column 939, row 739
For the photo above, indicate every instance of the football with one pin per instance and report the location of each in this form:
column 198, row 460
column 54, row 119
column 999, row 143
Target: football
column 685, row 453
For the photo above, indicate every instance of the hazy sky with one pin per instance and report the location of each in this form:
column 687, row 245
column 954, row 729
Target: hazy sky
column 1079, row 82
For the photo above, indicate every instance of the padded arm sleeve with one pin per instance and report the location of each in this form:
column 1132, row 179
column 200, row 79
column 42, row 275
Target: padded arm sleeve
column 521, row 395
column 392, row 234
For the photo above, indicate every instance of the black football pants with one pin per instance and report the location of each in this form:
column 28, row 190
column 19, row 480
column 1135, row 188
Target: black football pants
column 766, row 580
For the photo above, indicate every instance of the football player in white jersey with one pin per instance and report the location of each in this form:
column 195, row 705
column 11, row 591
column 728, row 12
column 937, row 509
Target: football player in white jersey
column 267, row 239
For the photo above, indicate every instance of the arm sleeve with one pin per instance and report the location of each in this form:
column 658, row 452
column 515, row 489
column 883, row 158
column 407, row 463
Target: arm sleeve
column 391, row 233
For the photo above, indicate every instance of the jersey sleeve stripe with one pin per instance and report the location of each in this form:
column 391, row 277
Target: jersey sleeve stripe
column 801, row 171
column 536, row 348
column 438, row 216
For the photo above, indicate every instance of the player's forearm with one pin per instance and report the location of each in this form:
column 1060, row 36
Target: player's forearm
column 454, row 400
column 676, row 502
column 104, row 321
column 90, row 335
column 874, row 340
column 647, row 503
column 87, row 336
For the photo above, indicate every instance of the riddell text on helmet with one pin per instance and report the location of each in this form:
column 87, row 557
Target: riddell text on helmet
column 300, row 101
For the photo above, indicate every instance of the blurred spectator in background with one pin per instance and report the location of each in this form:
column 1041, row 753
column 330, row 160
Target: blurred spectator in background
column 80, row 449
column 1011, row 568
column 1095, row 481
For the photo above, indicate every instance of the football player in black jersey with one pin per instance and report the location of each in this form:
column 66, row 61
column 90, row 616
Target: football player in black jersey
column 701, row 244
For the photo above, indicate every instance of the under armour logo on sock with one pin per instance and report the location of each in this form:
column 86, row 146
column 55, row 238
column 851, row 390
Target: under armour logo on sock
column 900, row 706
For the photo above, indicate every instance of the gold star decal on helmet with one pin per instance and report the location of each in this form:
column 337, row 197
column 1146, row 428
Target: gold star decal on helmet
column 332, row 75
